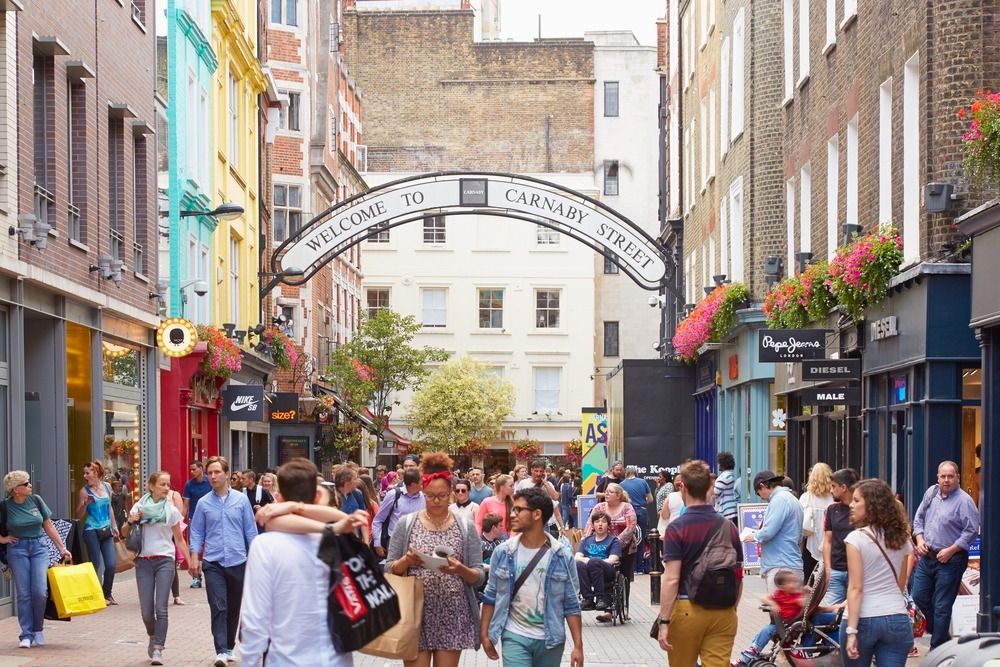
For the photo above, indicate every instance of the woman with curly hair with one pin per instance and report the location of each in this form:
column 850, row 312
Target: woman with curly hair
column 451, row 609
column 814, row 501
column 879, row 558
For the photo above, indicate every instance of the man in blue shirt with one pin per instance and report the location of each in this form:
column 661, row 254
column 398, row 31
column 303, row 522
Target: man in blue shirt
column 194, row 489
column 479, row 491
column 639, row 496
column 398, row 502
column 222, row 529
column 945, row 526
column 780, row 531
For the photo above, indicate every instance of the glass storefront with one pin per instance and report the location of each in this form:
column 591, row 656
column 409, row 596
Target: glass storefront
column 123, row 450
column 972, row 430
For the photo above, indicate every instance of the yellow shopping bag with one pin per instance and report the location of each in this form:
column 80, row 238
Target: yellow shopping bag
column 75, row 590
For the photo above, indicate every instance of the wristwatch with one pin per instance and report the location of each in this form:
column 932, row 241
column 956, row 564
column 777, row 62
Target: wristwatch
column 851, row 631
column 660, row 621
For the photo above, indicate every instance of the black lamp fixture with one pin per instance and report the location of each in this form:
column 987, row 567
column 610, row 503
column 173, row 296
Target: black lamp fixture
column 720, row 279
column 850, row 231
column 226, row 211
column 802, row 259
column 278, row 277
column 709, row 289
column 773, row 264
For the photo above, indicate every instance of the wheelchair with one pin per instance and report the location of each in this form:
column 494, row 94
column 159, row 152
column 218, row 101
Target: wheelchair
column 617, row 593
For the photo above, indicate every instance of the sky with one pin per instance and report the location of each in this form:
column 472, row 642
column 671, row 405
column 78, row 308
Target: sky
column 571, row 18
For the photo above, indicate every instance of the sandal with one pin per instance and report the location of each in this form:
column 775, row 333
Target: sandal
column 110, row 601
column 179, row 602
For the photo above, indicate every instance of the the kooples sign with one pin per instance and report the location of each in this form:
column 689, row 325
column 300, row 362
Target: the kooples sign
column 638, row 253
column 831, row 396
column 791, row 344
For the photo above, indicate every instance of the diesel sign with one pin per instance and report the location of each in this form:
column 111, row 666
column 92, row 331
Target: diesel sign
column 831, row 369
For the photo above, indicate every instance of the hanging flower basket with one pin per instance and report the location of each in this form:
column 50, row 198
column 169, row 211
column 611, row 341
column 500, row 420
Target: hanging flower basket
column 282, row 348
column 526, row 449
column 223, row 357
column 709, row 321
column 474, row 448
column 800, row 299
column 573, row 452
column 982, row 138
column 861, row 271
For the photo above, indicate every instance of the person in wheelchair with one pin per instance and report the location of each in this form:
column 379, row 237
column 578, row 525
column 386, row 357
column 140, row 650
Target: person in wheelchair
column 788, row 600
column 595, row 562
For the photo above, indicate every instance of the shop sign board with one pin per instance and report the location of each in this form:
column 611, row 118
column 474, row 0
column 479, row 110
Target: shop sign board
column 243, row 402
column 831, row 396
column 791, row 344
column 818, row 370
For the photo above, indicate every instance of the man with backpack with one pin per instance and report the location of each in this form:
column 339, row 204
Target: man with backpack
column 702, row 579
column 398, row 502
column 256, row 494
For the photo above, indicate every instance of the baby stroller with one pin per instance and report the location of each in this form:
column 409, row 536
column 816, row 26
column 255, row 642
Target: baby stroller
column 808, row 640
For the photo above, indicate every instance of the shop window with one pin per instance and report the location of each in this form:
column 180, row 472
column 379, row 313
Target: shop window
column 120, row 364
column 972, row 431
column 122, row 445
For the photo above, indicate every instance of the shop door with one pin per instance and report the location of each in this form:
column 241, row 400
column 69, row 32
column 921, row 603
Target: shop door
column 895, row 453
column 199, row 444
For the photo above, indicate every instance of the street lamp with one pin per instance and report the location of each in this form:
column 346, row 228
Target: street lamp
column 276, row 278
column 224, row 211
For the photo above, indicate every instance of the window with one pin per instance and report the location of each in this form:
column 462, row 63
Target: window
column 610, row 266
column 377, row 299
column 911, row 159
column 77, row 159
column 434, row 230
column 547, row 309
column 803, row 41
column 703, row 155
column 790, row 224
column 234, row 279
column 435, row 305
column 723, row 236
column 852, row 171
column 610, row 98
column 831, row 25
column 290, row 115
column 738, row 65
column 285, row 11
column 832, row 194
column 850, row 12
column 610, row 339
column 724, row 102
column 116, row 189
column 885, row 153
column 710, row 156
column 546, row 236
column 381, row 236
column 491, row 309
column 611, row 177
column 43, row 102
column 547, row 383
column 140, row 205
column 788, row 47
column 234, row 119
column 287, row 211
column 736, row 227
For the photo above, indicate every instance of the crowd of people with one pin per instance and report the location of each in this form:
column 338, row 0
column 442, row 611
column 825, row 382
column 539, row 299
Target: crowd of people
column 514, row 580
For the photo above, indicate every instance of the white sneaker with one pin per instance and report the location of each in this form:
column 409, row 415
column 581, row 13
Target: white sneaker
column 39, row 639
column 230, row 657
column 25, row 643
column 157, row 658
column 220, row 660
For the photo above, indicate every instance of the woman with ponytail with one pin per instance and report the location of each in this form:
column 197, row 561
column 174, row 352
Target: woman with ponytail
column 101, row 527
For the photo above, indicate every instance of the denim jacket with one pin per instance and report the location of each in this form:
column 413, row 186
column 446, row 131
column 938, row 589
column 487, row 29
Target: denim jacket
column 561, row 589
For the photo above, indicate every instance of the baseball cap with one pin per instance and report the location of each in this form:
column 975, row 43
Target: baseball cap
column 412, row 457
column 763, row 477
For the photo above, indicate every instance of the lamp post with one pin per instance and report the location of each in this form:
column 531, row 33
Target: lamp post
column 276, row 278
column 225, row 211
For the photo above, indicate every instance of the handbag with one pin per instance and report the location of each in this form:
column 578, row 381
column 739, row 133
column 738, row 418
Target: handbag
column 104, row 534
column 361, row 604
column 808, row 522
column 402, row 641
column 124, row 559
column 133, row 541
column 76, row 590
column 916, row 616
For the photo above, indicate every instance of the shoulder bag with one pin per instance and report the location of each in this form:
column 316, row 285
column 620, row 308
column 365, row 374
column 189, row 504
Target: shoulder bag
column 916, row 616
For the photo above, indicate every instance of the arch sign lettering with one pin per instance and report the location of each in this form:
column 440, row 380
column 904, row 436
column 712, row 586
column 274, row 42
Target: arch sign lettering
column 330, row 233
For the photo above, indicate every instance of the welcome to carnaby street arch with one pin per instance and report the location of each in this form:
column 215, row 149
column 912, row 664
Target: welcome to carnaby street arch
column 335, row 230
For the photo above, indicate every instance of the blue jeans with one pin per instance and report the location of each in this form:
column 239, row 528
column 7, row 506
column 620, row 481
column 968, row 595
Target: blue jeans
column 224, row 589
column 642, row 520
column 567, row 516
column 935, row 586
column 518, row 651
column 153, row 577
column 763, row 637
column 102, row 555
column 888, row 639
column 29, row 561
column 837, row 590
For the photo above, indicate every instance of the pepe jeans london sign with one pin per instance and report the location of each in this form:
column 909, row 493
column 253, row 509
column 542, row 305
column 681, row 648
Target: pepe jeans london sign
column 791, row 344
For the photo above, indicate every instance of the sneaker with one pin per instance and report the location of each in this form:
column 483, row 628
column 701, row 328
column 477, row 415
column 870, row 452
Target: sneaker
column 587, row 605
column 151, row 647
column 914, row 652
column 602, row 604
column 157, row 657
column 220, row 660
column 230, row 657
column 25, row 643
column 39, row 639
column 196, row 583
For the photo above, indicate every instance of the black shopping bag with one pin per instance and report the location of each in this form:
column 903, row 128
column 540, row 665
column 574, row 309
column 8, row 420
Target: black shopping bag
column 50, row 610
column 361, row 604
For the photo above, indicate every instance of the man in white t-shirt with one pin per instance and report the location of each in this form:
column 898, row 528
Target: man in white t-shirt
column 286, row 588
column 530, row 614
column 537, row 480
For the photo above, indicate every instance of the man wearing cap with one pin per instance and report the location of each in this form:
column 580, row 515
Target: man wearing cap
column 614, row 476
column 780, row 531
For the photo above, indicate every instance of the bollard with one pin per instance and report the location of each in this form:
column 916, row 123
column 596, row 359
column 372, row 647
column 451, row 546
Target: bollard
column 655, row 566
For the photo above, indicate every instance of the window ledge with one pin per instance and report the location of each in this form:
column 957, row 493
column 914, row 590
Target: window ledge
column 433, row 248
column 736, row 137
column 548, row 332
column 379, row 246
column 142, row 277
column 541, row 248
column 138, row 23
column 490, row 332
column 787, row 102
column 848, row 20
column 236, row 174
column 79, row 246
column 437, row 330
column 829, row 48
column 711, row 179
column 802, row 81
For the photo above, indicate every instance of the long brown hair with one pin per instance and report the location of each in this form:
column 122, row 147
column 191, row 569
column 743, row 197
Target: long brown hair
column 499, row 483
column 882, row 513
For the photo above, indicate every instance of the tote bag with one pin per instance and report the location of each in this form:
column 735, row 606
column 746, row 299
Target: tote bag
column 124, row 559
column 402, row 641
column 361, row 604
column 76, row 590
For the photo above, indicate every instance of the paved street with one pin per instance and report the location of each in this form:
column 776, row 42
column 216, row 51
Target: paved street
column 115, row 637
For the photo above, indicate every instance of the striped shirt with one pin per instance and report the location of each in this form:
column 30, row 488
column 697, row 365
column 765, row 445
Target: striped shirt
column 725, row 494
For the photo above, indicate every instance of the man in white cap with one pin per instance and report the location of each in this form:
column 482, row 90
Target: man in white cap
column 780, row 531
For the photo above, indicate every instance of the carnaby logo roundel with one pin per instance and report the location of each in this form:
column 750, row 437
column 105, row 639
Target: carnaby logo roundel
column 176, row 337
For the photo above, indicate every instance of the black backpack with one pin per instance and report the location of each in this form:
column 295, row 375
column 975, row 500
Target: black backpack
column 711, row 581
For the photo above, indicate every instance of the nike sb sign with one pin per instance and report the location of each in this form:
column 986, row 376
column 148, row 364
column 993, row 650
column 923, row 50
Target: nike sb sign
column 243, row 403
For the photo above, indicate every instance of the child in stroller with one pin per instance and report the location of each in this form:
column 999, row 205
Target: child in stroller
column 805, row 637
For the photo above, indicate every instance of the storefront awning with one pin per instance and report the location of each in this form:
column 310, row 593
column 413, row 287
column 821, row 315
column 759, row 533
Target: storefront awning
column 366, row 418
